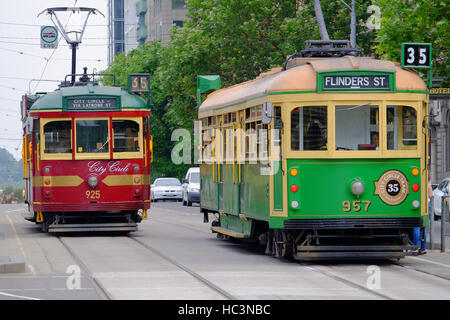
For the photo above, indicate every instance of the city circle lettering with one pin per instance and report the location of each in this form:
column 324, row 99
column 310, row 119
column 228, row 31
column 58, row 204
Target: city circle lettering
column 99, row 167
column 389, row 195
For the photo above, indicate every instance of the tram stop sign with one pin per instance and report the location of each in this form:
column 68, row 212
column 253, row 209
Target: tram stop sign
column 49, row 37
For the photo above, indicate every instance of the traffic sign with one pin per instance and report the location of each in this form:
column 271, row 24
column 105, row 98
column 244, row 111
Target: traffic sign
column 49, row 37
column 416, row 55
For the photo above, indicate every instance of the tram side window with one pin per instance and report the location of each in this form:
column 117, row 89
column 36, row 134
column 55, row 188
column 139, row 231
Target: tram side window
column 309, row 128
column 126, row 136
column 401, row 128
column 58, row 137
column 357, row 127
column 92, row 136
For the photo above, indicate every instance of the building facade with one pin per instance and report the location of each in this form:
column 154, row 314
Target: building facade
column 162, row 15
column 439, row 106
column 122, row 26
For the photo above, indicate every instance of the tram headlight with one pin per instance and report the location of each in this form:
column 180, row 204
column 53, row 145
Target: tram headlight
column 416, row 204
column 294, row 204
column 358, row 187
column 92, row 181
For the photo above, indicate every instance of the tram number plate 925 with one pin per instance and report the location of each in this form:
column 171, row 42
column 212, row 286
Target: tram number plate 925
column 91, row 194
column 356, row 205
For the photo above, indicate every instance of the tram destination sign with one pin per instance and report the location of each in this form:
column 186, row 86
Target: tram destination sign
column 91, row 104
column 352, row 81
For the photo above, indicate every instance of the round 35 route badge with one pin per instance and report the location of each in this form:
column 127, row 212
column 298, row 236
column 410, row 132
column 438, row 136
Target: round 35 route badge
column 392, row 187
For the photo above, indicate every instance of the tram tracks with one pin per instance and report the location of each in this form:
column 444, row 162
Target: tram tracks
column 85, row 271
column 102, row 292
column 194, row 274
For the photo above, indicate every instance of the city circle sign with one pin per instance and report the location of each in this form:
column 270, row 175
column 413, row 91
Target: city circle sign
column 49, row 37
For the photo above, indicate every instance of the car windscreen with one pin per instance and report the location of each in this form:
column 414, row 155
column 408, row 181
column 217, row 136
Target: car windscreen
column 195, row 177
column 167, row 183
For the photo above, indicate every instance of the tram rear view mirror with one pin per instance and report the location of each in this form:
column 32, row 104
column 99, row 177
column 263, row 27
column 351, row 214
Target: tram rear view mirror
column 267, row 113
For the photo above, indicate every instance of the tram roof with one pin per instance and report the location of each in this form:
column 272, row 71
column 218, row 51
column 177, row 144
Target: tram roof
column 301, row 75
column 54, row 100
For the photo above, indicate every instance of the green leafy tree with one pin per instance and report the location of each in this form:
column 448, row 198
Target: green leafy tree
column 415, row 21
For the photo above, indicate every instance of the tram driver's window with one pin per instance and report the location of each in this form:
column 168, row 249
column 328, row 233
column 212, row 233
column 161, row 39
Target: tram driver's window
column 401, row 128
column 92, row 136
column 357, row 127
column 58, row 137
column 309, row 128
column 126, row 136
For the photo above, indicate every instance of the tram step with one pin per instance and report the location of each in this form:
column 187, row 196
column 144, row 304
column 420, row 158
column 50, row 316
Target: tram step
column 229, row 232
column 83, row 227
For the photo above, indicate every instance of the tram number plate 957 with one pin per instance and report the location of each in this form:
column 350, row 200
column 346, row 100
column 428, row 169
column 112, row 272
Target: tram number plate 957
column 93, row 194
column 356, row 205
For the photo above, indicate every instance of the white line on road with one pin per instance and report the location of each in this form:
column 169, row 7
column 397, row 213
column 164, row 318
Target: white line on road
column 433, row 262
column 16, row 296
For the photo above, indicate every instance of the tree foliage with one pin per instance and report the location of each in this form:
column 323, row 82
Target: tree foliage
column 415, row 21
column 239, row 39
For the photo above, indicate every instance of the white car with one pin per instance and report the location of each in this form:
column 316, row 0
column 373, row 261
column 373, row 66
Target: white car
column 441, row 190
column 166, row 188
column 191, row 187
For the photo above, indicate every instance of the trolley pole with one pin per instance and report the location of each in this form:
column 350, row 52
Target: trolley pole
column 74, row 61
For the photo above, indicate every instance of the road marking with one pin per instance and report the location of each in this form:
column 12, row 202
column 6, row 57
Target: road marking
column 17, row 236
column 433, row 262
column 16, row 296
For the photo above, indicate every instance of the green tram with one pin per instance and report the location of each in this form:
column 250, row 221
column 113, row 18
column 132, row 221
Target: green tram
column 323, row 158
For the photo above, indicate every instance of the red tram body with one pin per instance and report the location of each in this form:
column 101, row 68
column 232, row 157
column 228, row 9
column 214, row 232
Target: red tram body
column 86, row 158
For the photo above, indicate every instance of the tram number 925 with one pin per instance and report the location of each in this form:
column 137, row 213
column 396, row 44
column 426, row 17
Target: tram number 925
column 93, row 194
column 356, row 205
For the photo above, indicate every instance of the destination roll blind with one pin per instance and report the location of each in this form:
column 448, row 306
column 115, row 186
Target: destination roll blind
column 343, row 81
column 91, row 104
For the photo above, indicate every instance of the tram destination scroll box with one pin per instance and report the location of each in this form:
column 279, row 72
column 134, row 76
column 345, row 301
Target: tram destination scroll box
column 355, row 81
column 91, row 104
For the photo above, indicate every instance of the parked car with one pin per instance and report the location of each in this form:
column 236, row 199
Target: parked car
column 191, row 187
column 166, row 188
column 441, row 190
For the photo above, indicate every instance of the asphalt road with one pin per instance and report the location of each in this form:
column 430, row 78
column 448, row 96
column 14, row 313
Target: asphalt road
column 174, row 256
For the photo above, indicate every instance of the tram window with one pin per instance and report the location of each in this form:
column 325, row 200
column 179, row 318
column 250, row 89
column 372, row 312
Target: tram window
column 92, row 136
column 58, row 137
column 126, row 136
column 309, row 128
column 357, row 127
column 401, row 128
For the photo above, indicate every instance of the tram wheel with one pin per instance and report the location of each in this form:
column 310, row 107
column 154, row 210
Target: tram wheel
column 279, row 244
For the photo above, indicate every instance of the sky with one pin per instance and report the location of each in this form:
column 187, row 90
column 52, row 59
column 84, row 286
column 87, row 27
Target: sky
column 22, row 59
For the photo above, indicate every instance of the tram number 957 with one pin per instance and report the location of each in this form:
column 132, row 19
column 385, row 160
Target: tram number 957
column 356, row 205
column 93, row 194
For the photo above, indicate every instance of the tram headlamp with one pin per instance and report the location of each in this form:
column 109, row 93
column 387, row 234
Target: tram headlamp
column 416, row 204
column 358, row 187
column 294, row 204
column 92, row 181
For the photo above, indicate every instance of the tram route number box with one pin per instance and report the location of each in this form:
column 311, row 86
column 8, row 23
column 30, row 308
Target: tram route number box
column 416, row 55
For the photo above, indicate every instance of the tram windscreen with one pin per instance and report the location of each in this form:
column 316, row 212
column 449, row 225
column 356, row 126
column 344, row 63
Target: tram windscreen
column 92, row 136
column 309, row 128
column 357, row 127
column 126, row 136
column 58, row 137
